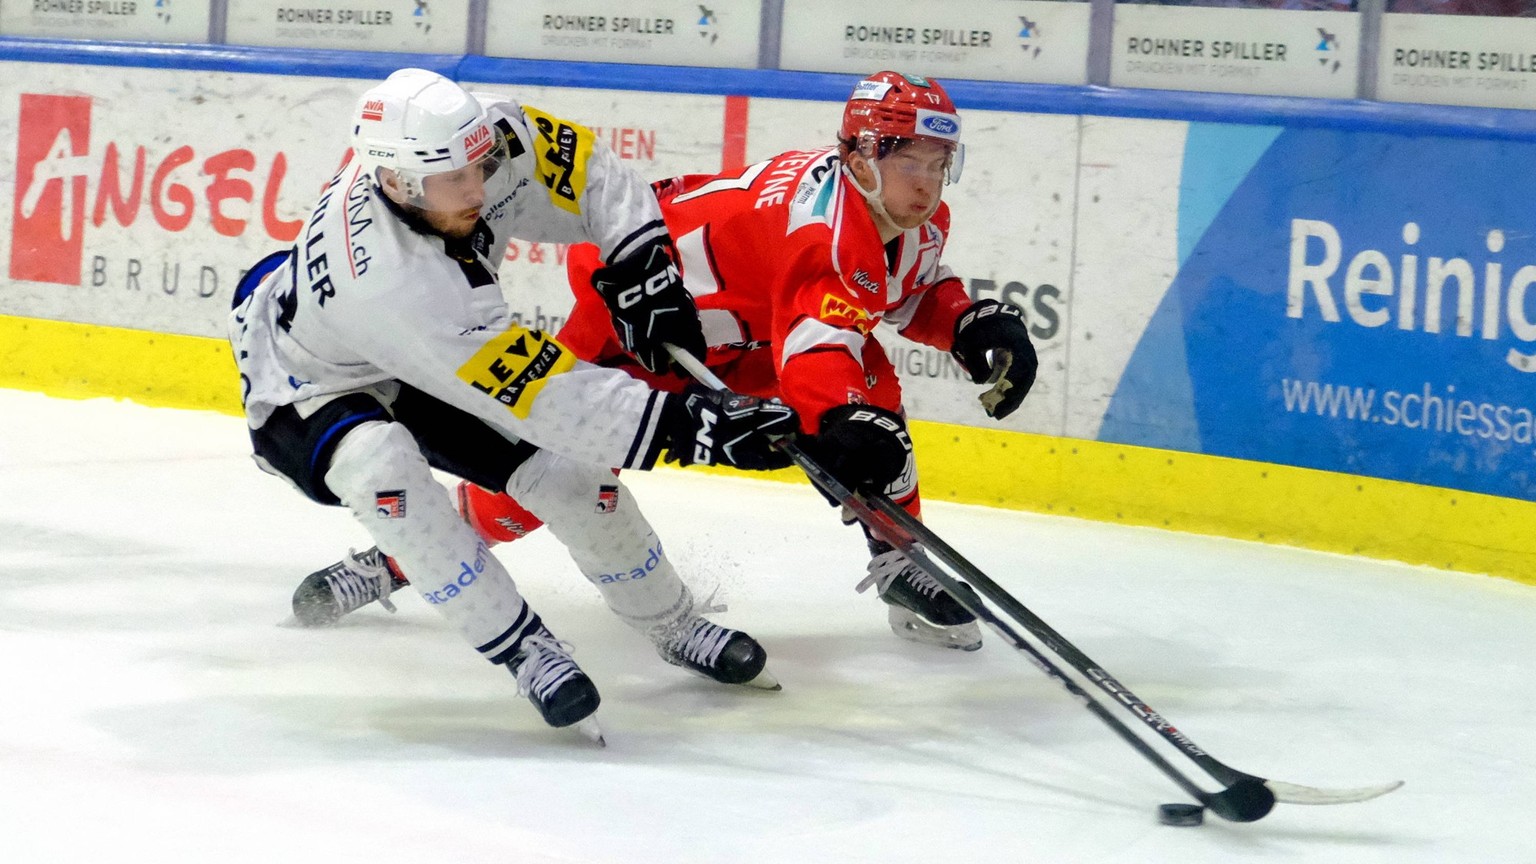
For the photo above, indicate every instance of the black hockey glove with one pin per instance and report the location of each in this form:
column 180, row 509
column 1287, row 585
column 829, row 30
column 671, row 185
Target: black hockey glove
column 998, row 328
column 713, row 427
column 864, row 447
column 650, row 307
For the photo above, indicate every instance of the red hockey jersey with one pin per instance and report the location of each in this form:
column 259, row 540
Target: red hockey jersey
column 786, row 265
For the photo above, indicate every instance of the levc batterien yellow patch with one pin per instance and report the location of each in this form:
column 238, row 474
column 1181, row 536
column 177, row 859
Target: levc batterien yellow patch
column 561, row 150
column 513, row 366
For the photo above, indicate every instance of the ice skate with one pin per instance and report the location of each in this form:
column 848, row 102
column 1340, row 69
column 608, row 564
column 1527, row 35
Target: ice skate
column 920, row 609
column 720, row 653
column 556, row 686
column 350, row 584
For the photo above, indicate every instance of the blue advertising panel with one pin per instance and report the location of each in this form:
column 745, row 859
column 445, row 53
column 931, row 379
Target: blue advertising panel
column 1347, row 301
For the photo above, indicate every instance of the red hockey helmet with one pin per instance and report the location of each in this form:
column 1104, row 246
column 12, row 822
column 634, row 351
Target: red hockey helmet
column 888, row 107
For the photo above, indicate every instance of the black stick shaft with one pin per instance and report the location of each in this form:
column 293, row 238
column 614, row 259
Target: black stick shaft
column 897, row 527
column 1053, row 640
column 900, row 534
column 908, row 545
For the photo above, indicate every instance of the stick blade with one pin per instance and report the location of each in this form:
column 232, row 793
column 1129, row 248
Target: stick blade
column 1291, row 793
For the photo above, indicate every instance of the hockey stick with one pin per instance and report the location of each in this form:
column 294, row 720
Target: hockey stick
column 1245, row 798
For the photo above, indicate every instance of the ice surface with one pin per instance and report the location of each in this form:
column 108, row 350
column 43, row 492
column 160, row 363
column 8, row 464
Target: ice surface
column 151, row 708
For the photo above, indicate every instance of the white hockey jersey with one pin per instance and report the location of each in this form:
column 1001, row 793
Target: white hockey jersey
column 364, row 300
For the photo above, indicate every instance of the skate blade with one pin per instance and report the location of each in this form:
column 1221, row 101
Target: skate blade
column 764, row 681
column 588, row 729
column 908, row 625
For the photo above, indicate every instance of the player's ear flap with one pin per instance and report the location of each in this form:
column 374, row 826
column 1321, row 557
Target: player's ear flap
column 390, row 182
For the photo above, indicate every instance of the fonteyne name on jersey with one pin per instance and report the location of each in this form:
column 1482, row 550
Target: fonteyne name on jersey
column 1482, row 306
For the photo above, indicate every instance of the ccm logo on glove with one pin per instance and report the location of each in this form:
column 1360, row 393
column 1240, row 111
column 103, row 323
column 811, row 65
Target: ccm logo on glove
column 652, row 286
column 649, row 306
column 708, row 427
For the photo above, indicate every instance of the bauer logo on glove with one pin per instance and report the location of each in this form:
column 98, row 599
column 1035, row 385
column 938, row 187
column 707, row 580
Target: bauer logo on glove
column 992, row 345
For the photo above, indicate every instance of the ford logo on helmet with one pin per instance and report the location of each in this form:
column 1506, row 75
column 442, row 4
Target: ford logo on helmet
column 941, row 125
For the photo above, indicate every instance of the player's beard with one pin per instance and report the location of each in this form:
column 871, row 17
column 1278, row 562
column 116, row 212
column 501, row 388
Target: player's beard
column 450, row 226
column 457, row 225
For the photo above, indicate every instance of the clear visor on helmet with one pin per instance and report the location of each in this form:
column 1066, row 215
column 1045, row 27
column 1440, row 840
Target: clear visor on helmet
column 457, row 190
column 920, row 158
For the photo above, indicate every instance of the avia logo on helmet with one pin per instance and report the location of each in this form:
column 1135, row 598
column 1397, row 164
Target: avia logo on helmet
column 939, row 124
column 373, row 109
column 637, row 572
column 61, row 183
column 477, row 142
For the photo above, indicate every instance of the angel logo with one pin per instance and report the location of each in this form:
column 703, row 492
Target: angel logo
column 1328, row 49
column 48, row 216
column 423, row 16
column 64, row 186
column 708, row 24
column 1029, row 30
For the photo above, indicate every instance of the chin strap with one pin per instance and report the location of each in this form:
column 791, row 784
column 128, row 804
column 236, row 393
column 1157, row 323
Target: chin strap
column 872, row 197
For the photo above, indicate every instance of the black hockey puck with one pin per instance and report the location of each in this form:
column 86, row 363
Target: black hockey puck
column 1182, row 815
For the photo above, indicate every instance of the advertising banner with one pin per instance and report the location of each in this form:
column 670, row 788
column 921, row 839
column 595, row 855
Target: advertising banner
column 1211, row 288
column 1044, row 41
column 672, row 32
column 113, row 224
column 145, row 20
column 148, row 226
column 410, row 26
column 1375, row 327
column 1271, row 52
column 1457, row 60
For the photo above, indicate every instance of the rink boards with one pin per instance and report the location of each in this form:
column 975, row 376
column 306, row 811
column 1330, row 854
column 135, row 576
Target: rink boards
column 1312, row 327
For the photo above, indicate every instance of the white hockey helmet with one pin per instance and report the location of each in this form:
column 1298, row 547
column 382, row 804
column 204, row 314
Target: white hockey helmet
column 418, row 123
